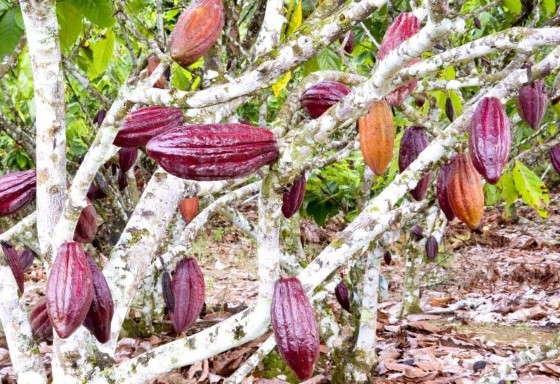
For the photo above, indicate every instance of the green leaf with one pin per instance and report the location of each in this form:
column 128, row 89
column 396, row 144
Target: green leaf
column 10, row 32
column 513, row 5
column 531, row 188
column 102, row 54
column 70, row 21
column 4, row 5
column 99, row 12
column 507, row 191
column 281, row 83
column 320, row 210
column 491, row 194
column 549, row 6
column 180, row 77
column 456, row 101
column 295, row 19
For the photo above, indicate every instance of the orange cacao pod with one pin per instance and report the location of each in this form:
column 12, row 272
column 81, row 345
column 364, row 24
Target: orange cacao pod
column 377, row 136
column 464, row 191
column 189, row 208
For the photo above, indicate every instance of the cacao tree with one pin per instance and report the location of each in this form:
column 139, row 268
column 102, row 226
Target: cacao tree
column 119, row 118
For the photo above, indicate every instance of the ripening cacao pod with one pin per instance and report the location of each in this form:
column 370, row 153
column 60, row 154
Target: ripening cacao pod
column 213, row 151
column 188, row 292
column 294, row 327
column 167, row 290
column 377, row 136
column 189, row 207
column 196, row 31
column 342, row 296
column 144, row 123
column 153, row 62
column 489, row 139
column 40, row 322
column 86, row 228
column 418, row 232
column 387, row 257
column 292, row 200
column 555, row 157
column 431, row 248
column 399, row 95
column 26, row 258
column 531, row 103
column 17, row 189
column 441, row 192
column 122, row 181
column 13, row 260
column 318, row 98
column 100, row 313
column 350, row 41
column 127, row 158
column 464, row 191
column 69, row 289
column 413, row 143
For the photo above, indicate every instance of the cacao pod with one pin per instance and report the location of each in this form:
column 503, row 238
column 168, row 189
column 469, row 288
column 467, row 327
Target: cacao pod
column 531, row 103
column 188, row 292
column 342, row 296
column 477, row 23
column 399, row 95
column 69, row 289
column 418, row 232
column 94, row 192
column 17, row 189
column 40, row 322
column 413, row 143
column 441, row 192
column 449, row 110
column 555, row 157
column 387, row 257
column 13, row 260
column 86, row 228
column 377, row 136
column 144, row 123
column 26, row 259
column 213, row 151
column 99, row 117
column 167, row 289
column 292, row 200
column 189, row 207
column 153, row 62
column 122, row 181
column 294, row 327
column 100, row 313
column 196, row 31
column 127, row 158
column 490, row 139
column 318, row 98
column 350, row 41
column 464, row 191
column 431, row 248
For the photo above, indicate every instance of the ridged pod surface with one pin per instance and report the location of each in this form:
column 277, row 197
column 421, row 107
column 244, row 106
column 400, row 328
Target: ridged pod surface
column 188, row 292
column 318, row 98
column 127, row 158
column 40, row 322
column 13, row 260
column 167, row 290
column 441, row 192
column 295, row 327
column 431, row 248
column 377, row 136
column 417, row 232
column 196, row 31
column 144, row 123
column 153, row 62
column 490, row 139
column 464, row 191
column 531, row 103
column 213, row 151
column 26, row 258
column 292, row 200
column 100, row 314
column 189, row 207
column 69, row 289
column 86, row 228
column 350, row 41
column 17, row 189
column 555, row 157
column 413, row 142
column 342, row 296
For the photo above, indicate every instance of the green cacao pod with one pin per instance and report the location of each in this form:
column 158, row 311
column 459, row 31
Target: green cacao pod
column 377, row 136
column 464, row 191
column 413, row 142
column 17, row 189
column 318, row 98
column 189, row 207
column 13, row 260
column 100, row 313
column 40, row 322
column 213, row 151
column 294, row 327
column 441, row 192
column 531, row 103
column 188, row 293
column 555, row 157
column 292, row 200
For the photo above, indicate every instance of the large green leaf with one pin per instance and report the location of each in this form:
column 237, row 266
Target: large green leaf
column 4, row 5
column 99, row 12
column 513, row 5
column 549, row 6
column 508, row 191
column 531, row 188
column 102, row 54
column 10, row 32
column 70, row 21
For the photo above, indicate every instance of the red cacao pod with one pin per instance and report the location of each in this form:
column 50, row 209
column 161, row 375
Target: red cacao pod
column 127, row 158
column 17, row 189
column 40, row 322
column 531, row 103
column 100, row 313
column 86, row 228
column 189, row 207
column 431, row 248
column 464, row 191
column 213, row 151
column 342, row 296
column 26, row 258
column 294, row 327
column 377, row 136
column 69, row 289
column 441, row 192
column 413, row 143
column 196, row 31
column 350, row 41
column 292, row 200
column 167, row 290
column 318, row 98
column 188, row 292
column 153, row 62
column 399, row 95
column 144, row 123
column 555, row 157
column 13, row 260
column 387, row 257
column 122, row 181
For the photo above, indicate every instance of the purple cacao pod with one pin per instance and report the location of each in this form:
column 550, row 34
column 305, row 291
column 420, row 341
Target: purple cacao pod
column 127, row 158
column 99, row 117
column 86, row 228
column 413, row 143
column 40, row 322
column 418, row 232
column 213, row 151
column 431, row 248
column 441, row 192
column 294, row 327
column 100, row 313
column 17, row 189
column 26, row 258
column 490, row 139
column 342, row 296
column 69, row 289
column 122, row 181
column 13, row 260
column 387, row 257
column 350, row 41
column 555, row 157
column 531, row 103
column 477, row 23
column 188, row 293
column 449, row 110
column 167, row 290
column 143, row 124
column 94, row 192
column 292, row 200
column 318, row 98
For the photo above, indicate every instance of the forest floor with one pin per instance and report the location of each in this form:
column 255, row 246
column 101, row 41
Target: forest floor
column 488, row 296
